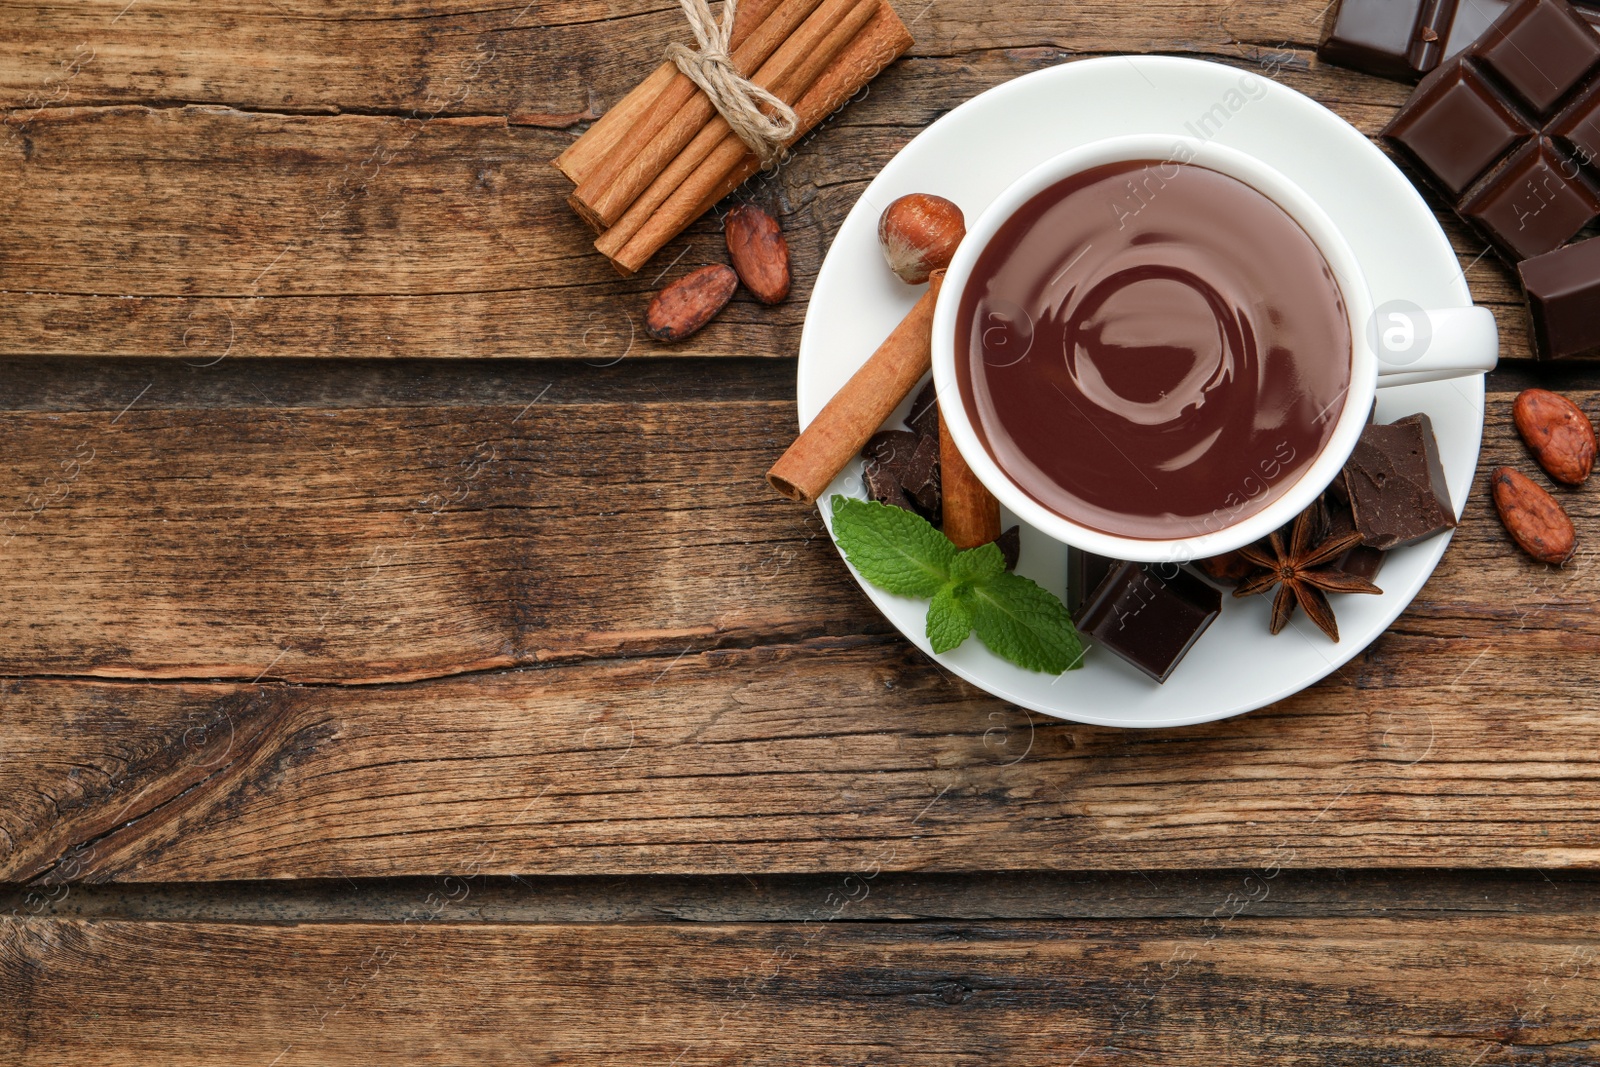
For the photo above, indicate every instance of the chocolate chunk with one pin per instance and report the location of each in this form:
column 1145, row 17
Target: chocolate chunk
column 882, row 481
column 1150, row 614
column 1563, row 289
column 1388, row 38
column 924, row 415
column 1405, row 39
column 921, row 479
column 890, row 446
column 1507, row 129
column 1227, row 570
column 902, row 469
column 1085, row 572
column 1363, row 560
column 1396, row 484
column 1010, row 543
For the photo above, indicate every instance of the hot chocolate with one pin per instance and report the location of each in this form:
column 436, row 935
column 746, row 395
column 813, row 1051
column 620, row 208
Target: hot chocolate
column 1153, row 349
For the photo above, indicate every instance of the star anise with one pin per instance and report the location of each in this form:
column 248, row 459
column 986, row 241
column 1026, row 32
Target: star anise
column 1304, row 572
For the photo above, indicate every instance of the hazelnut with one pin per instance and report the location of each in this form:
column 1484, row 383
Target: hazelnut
column 919, row 233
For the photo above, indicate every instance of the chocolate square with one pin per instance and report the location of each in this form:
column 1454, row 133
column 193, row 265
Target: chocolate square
column 1563, row 290
column 1150, row 614
column 1382, row 37
column 1471, row 18
column 1085, row 572
column 1577, row 131
column 1396, row 485
column 1540, row 50
column 1454, row 128
column 1534, row 204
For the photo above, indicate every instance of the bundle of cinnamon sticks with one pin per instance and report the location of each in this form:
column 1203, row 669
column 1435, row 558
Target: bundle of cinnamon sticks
column 662, row 156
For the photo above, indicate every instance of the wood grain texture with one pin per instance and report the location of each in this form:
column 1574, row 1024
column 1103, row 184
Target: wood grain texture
column 379, row 545
column 1400, row 993
column 825, row 756
column 271, row 181
column 754, row 712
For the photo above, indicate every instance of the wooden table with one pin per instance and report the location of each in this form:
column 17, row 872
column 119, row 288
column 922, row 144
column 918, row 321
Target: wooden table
column 364, row 698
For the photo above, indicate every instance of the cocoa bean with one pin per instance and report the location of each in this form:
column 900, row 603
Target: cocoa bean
column 1558, row 434
column 690, row 302
column 759, row 252
column 1535, row 520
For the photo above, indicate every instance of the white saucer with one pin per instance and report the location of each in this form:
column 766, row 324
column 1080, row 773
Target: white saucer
column 975, row 151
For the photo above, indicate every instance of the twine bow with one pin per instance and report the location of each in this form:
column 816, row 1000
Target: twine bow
column 736, row 98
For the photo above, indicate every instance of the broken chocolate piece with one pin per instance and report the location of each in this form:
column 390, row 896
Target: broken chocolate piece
column 1085, row 572
column 1563, row 290
column 882, row 481
column 923, row 418
column 1150, row 614
column 1396, row 484
column 1227, row 570
column 920, row 479
column 902, row 469
column 894, row 447
column 1010, row 544
column 1363, row 560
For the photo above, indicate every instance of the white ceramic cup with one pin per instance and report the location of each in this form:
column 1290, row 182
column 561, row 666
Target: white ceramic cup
column 1458, row 342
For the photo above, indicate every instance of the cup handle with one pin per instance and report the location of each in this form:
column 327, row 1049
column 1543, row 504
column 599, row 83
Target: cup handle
column 1414, row 345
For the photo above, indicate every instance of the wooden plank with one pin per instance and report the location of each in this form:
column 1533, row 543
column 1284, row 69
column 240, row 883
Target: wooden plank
column 825, row 756
column 384, row 544
column 208, row 231
column 380, row 544
column 1353, row 992
column 557, row 64
column 311, row 545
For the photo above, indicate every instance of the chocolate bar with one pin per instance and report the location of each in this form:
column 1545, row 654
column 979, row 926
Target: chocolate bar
column 1150, row 614
column 1508, row 129
column 1405, row 39
column 1563, row 291
column 1394, row 482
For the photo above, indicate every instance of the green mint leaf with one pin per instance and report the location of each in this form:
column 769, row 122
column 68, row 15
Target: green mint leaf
column 1021, row 622
column 976, row 564
column 895, row 550
column 949, row 618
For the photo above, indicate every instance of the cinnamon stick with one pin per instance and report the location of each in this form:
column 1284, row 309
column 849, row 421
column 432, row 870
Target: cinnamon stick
column 878, row 44
column 856, row 411
column 809, row 64
column 580, row 158
column 582, row 155
column 971, row 513
column 672, row 121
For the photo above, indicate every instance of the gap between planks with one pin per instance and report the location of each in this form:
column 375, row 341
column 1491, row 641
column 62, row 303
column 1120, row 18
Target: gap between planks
column 886, row 897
